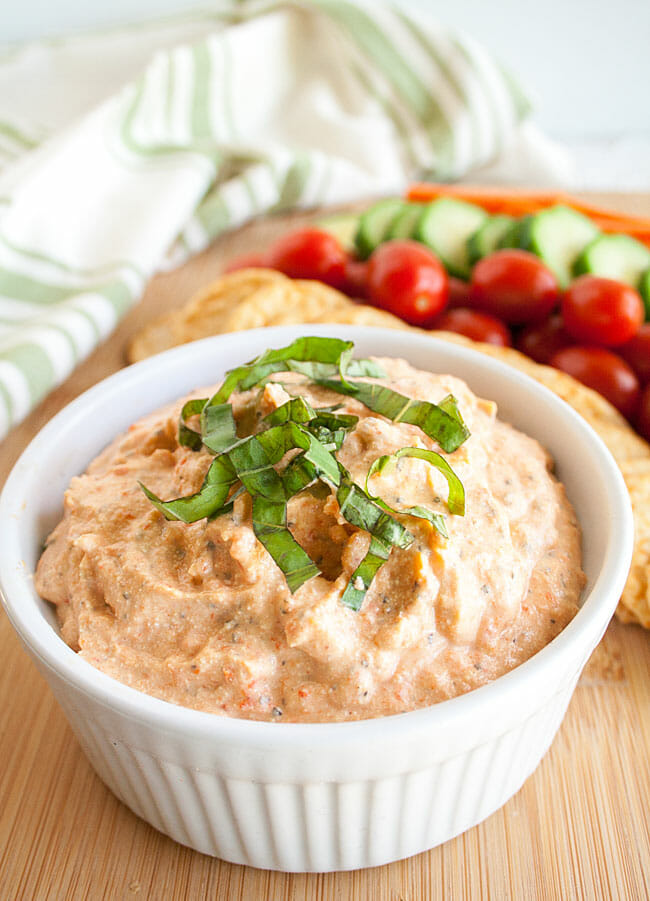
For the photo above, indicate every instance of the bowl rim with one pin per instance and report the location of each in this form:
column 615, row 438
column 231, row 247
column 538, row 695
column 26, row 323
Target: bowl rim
column 585, row 629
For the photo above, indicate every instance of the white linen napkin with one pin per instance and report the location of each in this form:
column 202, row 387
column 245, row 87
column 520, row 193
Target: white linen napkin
column 269, row 106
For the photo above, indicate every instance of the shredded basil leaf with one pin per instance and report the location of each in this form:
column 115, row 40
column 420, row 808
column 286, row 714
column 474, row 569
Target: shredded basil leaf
column 302, row 350
column 253, row 459
column 270, row 527
column 436, row 519
column 298, row 409
column 188, row 437
column 298, row 474
column 333, row 421
column 218, row 427
column 210, row 497
column 357, row 368
column 377, row 554
column 360, row 511
column 249, row 464
column 456, row 500
column 445, row 426
column 229, row 506
column 331, row 430
column 253, row 462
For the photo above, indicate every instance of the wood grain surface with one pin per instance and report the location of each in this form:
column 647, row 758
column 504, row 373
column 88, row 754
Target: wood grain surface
column 579, row 827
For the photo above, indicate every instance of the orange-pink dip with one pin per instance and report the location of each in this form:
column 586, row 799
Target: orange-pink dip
column 200, row 615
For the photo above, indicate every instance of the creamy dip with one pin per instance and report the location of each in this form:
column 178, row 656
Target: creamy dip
column 200, row 615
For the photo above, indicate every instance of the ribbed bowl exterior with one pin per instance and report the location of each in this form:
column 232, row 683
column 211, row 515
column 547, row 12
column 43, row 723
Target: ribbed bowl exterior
column 307, row 825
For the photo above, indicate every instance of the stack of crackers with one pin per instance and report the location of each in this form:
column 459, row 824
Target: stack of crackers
column 253, row 298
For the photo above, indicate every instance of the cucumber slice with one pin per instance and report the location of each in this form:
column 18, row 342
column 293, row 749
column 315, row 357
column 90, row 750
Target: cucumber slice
column 487, row 237
column 375, row 223
column 343, row 226
column 644, row 291
column 614, row 256
column 513, row 234
column 445, row 226
column 558, row 236
column 404, row 225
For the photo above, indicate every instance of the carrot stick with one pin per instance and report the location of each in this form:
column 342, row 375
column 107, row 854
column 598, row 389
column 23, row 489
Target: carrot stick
column 520, row 202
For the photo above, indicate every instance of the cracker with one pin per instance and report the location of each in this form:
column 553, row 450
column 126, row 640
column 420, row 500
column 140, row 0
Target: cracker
column 253, row 298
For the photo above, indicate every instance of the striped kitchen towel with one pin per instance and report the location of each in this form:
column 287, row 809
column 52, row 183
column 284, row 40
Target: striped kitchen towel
column 265, row 107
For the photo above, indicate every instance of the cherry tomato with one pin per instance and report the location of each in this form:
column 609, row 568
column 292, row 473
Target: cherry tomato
column 541, row 340
column 247, row 261
column 309, row 253
column 475, row 325
column 408, row 280
column 643, row 415
column 356, row 278
column 515, row 286
column 637, row 353
column 603, row 371
column 602, row 311
column 459, row 293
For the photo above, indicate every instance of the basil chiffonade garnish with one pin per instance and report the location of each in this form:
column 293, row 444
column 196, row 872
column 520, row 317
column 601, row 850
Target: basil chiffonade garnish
column 250, row 463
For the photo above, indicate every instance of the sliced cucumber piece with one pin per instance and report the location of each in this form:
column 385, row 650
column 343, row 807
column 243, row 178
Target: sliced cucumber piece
column 445, row 226
column 614, row 256
column 513, row 234
column 487, row 237
column 404, row 225
column 558, row 236
column 375, row 223
column 644, row 291
column 343, row 226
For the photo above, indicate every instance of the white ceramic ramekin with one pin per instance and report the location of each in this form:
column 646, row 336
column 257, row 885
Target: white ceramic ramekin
column 313, row 797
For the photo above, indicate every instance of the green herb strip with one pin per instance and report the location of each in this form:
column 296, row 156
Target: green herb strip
column 218, row 427
column 249, row 463
column 442, row 422
column 377, row 555
column 456, row 500
column 208, row 500
column 360, row 511
column 270, row 527
column 307, row 350
column 298, row 409
column 187, row 437
column 254, row 461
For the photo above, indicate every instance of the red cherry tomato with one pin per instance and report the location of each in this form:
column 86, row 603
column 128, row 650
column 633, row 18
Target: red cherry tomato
column 475, row 325
column 602, row 311
column 459, row 293
column 515, row 286
column 540, row 341
column 603, row 371
column 247, row 261
column 309, row 253
column 643, row 415
column 408, row 280
column 356, row 278
column 637, row 353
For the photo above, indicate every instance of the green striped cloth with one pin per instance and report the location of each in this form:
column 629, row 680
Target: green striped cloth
column 277, row 106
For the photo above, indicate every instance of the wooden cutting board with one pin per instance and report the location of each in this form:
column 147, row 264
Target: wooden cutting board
column 579, row 828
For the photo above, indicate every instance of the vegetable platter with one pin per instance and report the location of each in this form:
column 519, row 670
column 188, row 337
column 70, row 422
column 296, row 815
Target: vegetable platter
column 565, row 282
